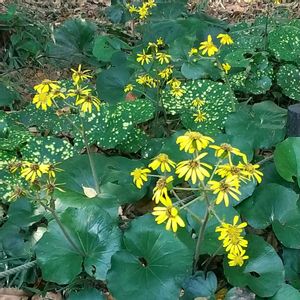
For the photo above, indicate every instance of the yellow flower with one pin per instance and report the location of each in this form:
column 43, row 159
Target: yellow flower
column 52, row 169
column 87, row 102
column 143, row 11
column 162, row 160
column 251, row 171
column 229, row 170
column 42, row 100
column 225, row 150
column 160, row 42
column 237, row 259
column 199, row 116
column 14, row 165
column 233, row 242
column 140, row 176
column 128, row 88
column 79, row 92
column 226, row 67
column 174, row 82
column 197, row 102
column 208, row 47
column 46, row 86
column 142, row 79
column 160, row 192
column 144, row 58
column 193, row 169
column 228, row 186
column 163, row 57
column 225, row 39
column 177, row 91
column 57, row 93
column 30, row 171
column 150, row 3
column 193, row 51
column 152, row 46
column 165, row 73
column 131, row 8
column 80, row 75
column 192, row 141
column 277, row 2
column 168, row 213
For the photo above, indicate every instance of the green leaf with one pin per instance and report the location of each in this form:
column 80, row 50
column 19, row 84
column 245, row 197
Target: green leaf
column 199, row 69
column 97, row 237
column 73, row 42
column 291, row 261
column 286, row 292
column 154, row 259
column 277, row 205
column 113, row 175
column 262, row 124
column 200, row 285
column 263, row 272
column 216, row 108
column 15, row 139
column 288, row 78
column 111, row 83
column 284, row 42
column 47, row 149
column 287, row 159
column 86, row 294
column 7, row 96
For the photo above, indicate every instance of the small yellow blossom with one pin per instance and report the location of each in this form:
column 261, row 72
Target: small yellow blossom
column 193, row 51
column 131, row 8
column 163, row 57
column 174, row 82
column 192, row 141
column 277, row 2
column 251, row 171
column 150, row 3
column 144, row 58
column 46, row 86
column 230, row 170
column 177, row 91
column 237, row 259
column 14, row 165
column 168, row 213
column 166, row 73
column 199, row 116
column 140, row 176
column 87, row 102
column 79, row 75
column 160, row 42
column 162, row 160
column 57, row 93
column 43, row 100
column 197, row 102
column 152, row 46
column 224, row 188
column 225, row 39
column 79, row 92
column 193, row 169
column 160, row 192
column 226, row 67
column 30, row 171
column 128, row 88
column 225, row 150
column 208, row 47
column 143, row 11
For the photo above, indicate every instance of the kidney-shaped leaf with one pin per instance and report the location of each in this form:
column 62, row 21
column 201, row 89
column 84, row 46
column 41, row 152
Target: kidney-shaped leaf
column 263, row 273
column 96, row 238
column 153, row 264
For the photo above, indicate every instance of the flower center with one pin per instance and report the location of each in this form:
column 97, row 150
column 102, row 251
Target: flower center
column 226, row 147
column 172, row 212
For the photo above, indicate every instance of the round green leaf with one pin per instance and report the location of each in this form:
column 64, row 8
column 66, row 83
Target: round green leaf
column 287, row 159
column 288, row 78
column 284, row 42
column 154, row 260
column 263, row 124
column 263, row 272
column 86, row 294
column 277, row 205
column 286, row 292
column 92, row 231
column 291, row 261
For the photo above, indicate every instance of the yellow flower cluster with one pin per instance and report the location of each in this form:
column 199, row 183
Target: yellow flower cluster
column 208, row 47
column 199, row 116
column 233, row 242
column 143, row 10
column 48, row 91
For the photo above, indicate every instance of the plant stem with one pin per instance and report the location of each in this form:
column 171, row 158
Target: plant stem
column 264, row 160
column 60, row 224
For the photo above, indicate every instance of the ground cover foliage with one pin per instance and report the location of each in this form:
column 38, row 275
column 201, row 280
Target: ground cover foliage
column 158, row 166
